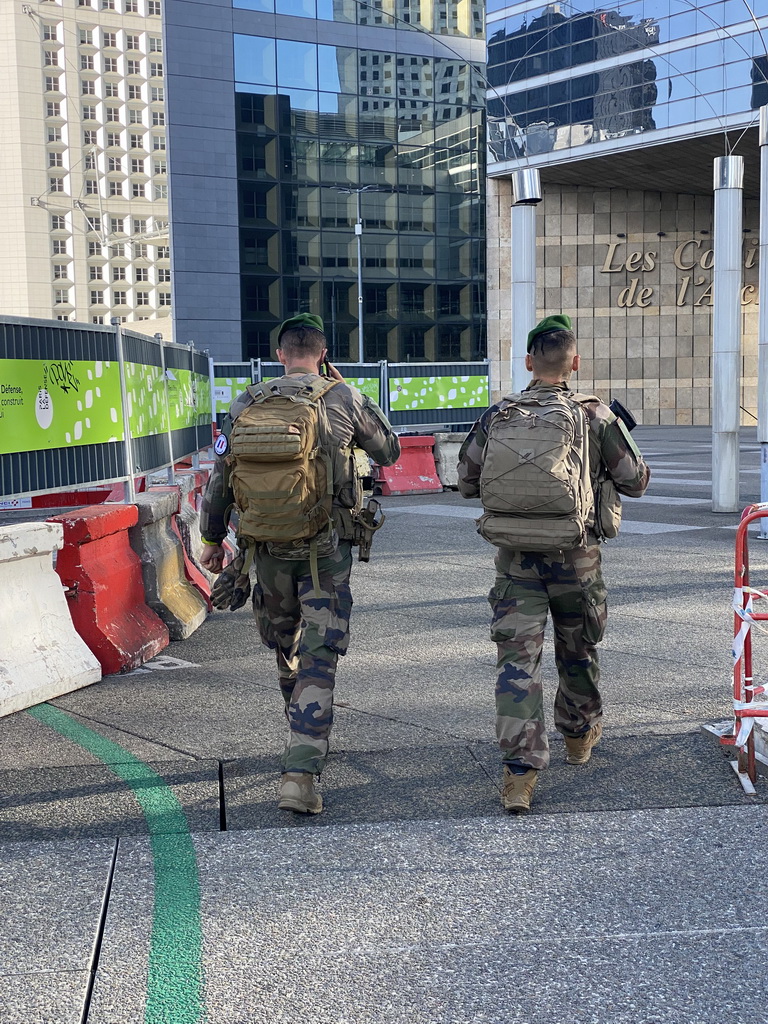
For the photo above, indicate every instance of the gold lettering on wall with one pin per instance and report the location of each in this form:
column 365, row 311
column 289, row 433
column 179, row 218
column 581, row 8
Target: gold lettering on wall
column 692, row 289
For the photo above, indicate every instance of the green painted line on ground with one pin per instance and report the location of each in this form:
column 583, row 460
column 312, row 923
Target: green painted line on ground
column 175, row 979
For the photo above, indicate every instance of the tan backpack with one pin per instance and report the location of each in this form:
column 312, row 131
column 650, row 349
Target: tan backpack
column 281, row 461
column 535, row 483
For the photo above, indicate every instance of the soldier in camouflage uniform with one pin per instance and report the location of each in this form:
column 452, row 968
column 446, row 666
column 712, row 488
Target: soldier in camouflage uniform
column 569, row 584
column 308, row 630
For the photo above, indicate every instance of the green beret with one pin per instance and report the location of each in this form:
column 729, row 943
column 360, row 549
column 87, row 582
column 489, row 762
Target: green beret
column 557, row 322
column 301, row 320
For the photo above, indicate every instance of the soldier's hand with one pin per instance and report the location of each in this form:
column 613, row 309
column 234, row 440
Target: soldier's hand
column 212, row 557
column 332, row 372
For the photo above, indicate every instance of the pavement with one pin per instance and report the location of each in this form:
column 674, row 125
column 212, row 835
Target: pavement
column 146, row 874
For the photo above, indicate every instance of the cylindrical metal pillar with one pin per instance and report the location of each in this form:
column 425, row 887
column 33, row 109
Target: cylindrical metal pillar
column 359, row 239
column 762, row 322
column 130, row 487
column 726, row 333
column 526, row 191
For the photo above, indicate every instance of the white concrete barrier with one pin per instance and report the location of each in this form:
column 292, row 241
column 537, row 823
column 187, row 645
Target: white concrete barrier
column 41, row 655
column 447, row 448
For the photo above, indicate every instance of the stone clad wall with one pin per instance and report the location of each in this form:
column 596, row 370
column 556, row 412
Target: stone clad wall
column 641, row 304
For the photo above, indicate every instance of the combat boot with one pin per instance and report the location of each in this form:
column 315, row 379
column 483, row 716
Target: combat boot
column 579, row 748
column 517, row 790
column 297, row 793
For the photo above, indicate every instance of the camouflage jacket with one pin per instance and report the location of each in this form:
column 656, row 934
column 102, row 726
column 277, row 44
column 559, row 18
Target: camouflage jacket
column 611, row 450
column 355, row 420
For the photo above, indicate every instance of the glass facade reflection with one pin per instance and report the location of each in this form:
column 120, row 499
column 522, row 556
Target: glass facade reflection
column 569, row 75
column 321, row 128
column 446, row 17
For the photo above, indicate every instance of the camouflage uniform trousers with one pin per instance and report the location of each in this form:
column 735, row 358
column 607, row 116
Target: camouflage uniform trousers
column 528, row 584
column 308, row 633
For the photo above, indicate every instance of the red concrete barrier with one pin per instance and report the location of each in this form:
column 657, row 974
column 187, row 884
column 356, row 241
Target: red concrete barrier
column 105, row 589
column 414, row 472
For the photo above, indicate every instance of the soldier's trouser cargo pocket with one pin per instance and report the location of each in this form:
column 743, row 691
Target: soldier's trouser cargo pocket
column 594, row 610
column 333, row 619
column 503, row 607
column 265, row 627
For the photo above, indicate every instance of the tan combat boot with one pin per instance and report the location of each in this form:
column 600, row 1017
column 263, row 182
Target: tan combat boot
column 517, row 790
column 579, row 748
column 297, row 793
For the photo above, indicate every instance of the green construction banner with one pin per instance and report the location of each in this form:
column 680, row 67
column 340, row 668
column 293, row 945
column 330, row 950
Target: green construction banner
column 189, row 398
column 227, row 389
column 147, row 408
column 58, row 403
column 436, row 393
column 368, row 385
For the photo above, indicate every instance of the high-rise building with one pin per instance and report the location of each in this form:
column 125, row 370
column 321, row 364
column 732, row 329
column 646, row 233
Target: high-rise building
column 286, row 120
column 623, row 109
column 83, row 166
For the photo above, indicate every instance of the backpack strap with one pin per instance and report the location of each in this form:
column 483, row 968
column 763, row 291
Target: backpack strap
column 310, row 388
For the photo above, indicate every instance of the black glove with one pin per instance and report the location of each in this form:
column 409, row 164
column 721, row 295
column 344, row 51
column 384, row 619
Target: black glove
column 231, row 589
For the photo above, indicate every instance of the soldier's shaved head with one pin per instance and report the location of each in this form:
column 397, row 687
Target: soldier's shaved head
column 552, row 354
column 302, row 343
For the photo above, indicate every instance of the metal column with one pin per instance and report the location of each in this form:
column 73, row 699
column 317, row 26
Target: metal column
column 726, row 333
column 359, row 239
column 762, row 323
column 526, row 191
column 130, row 487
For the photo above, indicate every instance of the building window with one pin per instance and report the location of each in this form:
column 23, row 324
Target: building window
column 110, row 90
column 86, row 37
column 109, row 39
column 89, row 113
column 59, row 271
column 155, row 44
column 84, row 3
column 155, row 70
column 142, row 298
column 132, row 42
column 91, row 187
column 114, row 163
column 107, row 5
column 138, row 191
column 153, row 8
column 139, row 251
column 134, row 117
column 161, row 167
column 164, row 275
column 117, row 225
column 51, row 59
column 51, row 32
column 163, row 252
column 53, row 110
column 51, row 84
column 141, row 274
column 97, row 319
column 55, row 160
column 61, row 296
column 88, row 88
column 119, row 298
column 59, row 247
column 158, row 94
column 137, row 167
column 133, row 67
column 134, row 92
column 137, row 141
column 54, row 134
column 112, row 113
column 86, row 62
column 118, row 274
column 58, row 222
column 97, row 298
column 131, row 6
column 95, row 274
column 139, row 227
column 115, row 188
column 90, row 162
column 113, row 140
column 161, row 191
column 158, row 117
column 163, row 298
column 94, row 223
column 55, row 184
column 95, row 249
column 110, row 65
column 158, row 142
column 90, row 137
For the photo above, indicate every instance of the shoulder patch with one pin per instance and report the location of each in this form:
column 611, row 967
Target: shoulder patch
column 221, row 444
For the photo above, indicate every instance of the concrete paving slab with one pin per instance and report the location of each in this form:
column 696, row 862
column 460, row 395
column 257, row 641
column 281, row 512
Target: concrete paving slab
column 27, row 743
column 55, row 997
column 50, row 902
column 407, row 924
column 89, row 801
column 394, row 785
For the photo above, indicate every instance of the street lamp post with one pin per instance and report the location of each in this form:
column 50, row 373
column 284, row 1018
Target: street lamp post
column 357, row 192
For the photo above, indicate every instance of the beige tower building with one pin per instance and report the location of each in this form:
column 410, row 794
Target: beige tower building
column 83, row 167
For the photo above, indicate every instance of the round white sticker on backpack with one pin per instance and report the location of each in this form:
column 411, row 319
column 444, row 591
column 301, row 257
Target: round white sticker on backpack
column 221, row 444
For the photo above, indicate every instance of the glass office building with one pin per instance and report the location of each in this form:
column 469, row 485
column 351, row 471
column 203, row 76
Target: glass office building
column 329, row 108
column 623, row 108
